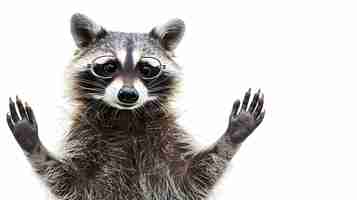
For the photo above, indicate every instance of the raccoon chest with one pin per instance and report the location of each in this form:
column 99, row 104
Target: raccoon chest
column 141, row 179
column 147, row 169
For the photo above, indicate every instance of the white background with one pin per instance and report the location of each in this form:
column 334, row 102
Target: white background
column 302, row 54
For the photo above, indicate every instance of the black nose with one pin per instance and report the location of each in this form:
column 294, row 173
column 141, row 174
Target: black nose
column 128, row 95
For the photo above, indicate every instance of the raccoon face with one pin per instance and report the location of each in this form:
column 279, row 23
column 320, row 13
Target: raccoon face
column 124, row 70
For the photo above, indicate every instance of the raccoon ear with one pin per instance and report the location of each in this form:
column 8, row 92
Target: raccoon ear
column 169, row 34
column 85, row 31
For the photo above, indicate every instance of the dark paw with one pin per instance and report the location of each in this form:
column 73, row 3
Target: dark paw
column 243, row 122
column 23, row 125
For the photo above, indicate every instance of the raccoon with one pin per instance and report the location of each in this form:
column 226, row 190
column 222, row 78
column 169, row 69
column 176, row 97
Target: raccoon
column 124, row 142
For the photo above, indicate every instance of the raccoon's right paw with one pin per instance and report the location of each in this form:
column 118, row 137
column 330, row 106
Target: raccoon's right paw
column 243, row 120
column 24, row 128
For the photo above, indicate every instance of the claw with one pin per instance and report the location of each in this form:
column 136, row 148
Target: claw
column 259, row 106
column 10, row 123
column 246, row 100
column 13, row 112
column 30, row 114
column 235, row 108
column 21, row 108
column 254, row 102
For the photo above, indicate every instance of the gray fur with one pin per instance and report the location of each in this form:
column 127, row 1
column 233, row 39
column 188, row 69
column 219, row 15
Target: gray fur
column 140, row 154
column 84, row 30
column 170, row 33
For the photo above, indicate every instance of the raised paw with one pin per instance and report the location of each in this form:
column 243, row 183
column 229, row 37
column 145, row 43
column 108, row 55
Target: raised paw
column 244, row 121
column 22, row 124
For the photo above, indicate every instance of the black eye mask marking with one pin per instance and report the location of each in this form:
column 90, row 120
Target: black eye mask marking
column 106, row 70
column 87, row 83
column 162, row 86
column 105, row 67
column 149, row 68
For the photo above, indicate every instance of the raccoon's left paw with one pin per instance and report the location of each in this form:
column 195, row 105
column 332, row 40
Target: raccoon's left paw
column 244, row 122
column 23, row 127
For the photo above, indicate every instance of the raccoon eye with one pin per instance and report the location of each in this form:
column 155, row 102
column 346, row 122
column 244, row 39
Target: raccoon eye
column 149, row 68
column 109, row 68
column 104, row 68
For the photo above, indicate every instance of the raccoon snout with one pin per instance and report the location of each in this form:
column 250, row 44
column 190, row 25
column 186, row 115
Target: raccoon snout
column 128, row 95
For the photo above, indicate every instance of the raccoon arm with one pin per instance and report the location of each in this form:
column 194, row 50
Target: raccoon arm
column 207, row 166
column 58, row 175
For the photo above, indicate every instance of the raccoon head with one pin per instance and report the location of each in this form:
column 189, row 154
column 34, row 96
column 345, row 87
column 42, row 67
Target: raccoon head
column 124, row 70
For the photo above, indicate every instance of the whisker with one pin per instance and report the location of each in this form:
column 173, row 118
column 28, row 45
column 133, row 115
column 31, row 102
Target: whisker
column 154, row 84
column 160, row 89
column 92, row 84
column 92, row 89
